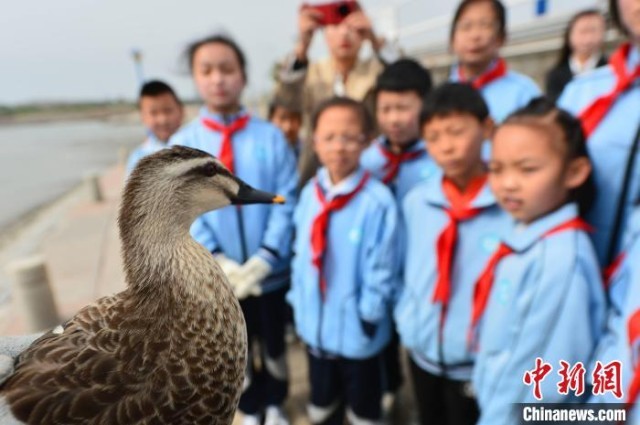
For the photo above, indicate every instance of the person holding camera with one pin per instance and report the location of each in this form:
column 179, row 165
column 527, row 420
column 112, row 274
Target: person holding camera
column 346, row 28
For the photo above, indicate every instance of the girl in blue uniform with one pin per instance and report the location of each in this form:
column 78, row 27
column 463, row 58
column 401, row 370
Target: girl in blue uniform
column 252, row 244
column 452, row 226
column 607, row 101
column 344, row 270
column 477, row 33
column 541, row 294
column 621, row 342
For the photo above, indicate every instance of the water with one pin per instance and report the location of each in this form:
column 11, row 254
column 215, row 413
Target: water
column 40, row 162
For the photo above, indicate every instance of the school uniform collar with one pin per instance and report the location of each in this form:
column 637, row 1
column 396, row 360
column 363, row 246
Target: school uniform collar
column 414, row 146
column 455, row 74
column 523, row 236
column 590, row 64
column 633, row 60
column 344, row 187
column 152, row 142
column 435, row 195
column 223, row 119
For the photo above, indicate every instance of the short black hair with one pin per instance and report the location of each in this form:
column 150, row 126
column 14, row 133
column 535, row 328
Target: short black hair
column 344, row 102
column 614, row 11
column 156, row 88
column 543, row 112
column 454, row 98
column 498, row 9
column 404, row 75
column 192, row 48
column 281, row 102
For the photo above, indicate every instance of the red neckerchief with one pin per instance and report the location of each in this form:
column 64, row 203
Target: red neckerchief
column 226, row 150
column 495, row 72
column 321, row 226
column 394, row 160
column 593, row 114
column 460, row 210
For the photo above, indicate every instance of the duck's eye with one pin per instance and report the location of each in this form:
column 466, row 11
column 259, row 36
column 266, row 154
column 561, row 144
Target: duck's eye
column 209, row 170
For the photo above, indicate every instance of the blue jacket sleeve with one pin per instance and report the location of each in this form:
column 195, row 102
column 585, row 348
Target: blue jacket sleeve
column 380, row 264
column 562, row 321
column 279, row 233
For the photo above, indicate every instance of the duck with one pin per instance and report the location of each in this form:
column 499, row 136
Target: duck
column 172, row 347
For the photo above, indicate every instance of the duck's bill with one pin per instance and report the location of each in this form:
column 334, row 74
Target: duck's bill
column 249, row 195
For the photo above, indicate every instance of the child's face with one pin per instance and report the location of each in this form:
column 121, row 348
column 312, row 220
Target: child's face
column 218, row 76
column 629, row 11
column 454, row 141
column 161, row 114
column 338, row 141
column 476, row 39
column 398, row 115
column 529, row 174
column 287, row 121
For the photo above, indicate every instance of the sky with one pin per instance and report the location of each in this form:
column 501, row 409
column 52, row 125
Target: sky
column 80, row 50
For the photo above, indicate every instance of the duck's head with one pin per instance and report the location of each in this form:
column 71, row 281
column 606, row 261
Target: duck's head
column 176, row 185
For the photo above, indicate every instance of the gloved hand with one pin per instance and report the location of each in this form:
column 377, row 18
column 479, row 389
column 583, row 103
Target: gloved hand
column 368, row 328
column 247, row 278
column 226, row 264
column 10, row 349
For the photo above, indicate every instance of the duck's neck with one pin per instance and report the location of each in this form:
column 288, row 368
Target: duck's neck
column 161, row 258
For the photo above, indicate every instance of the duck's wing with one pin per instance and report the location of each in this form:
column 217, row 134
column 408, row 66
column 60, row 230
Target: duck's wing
column 67, row 375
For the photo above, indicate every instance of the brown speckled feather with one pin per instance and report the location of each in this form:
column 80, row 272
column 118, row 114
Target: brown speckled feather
column 171, row 349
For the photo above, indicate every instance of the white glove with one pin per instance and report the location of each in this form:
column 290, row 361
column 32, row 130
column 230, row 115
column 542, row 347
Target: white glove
column 227, row 265
column 247, row 278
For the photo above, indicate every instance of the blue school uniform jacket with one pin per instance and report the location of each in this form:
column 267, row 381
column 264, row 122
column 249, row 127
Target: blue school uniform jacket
column 624, row 296
column 411, row 172
column 417, row 316
column 547, row 301
column 506, row 94
column 264, row 160
column 149, row 146
column 609, row 146
column 359, row 267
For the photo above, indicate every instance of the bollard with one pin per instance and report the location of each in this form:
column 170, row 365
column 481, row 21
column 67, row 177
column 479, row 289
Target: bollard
column 92, row 182
column 33, row 293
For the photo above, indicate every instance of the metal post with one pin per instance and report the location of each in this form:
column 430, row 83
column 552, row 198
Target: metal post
column 33, row 293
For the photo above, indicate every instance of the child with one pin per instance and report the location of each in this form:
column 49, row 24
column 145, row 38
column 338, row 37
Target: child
column 288, row 118
column 161, row 112
column 477, row 33
column 621, row 342
column 452, row 225
column 252, row 244
column 398, row 157
column 343, row 270
column 605, row 100
column 547, row 302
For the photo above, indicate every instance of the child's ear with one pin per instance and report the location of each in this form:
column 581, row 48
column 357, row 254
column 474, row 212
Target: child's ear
column 488, row 128
column 578, row 172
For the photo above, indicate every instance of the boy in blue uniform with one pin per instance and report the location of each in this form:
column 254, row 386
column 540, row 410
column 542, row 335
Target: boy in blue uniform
column 452, row 225
column 161, row 113
column 252, row 244
column 398, row 157
column 287, row 117
column 478, row 32
column 343, row 270
column 540, row 299
column 607, row 102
